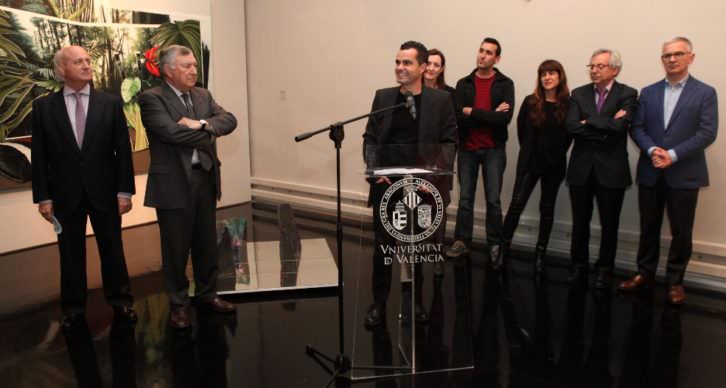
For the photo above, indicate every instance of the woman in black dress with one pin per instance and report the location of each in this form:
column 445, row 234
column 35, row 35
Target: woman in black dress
column 543, row 144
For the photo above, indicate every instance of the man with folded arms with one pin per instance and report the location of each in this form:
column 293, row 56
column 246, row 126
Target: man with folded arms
column 183, row 122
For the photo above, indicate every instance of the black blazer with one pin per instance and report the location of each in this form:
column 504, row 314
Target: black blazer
column 436, row 121
column 102, row 167
column 172, row 145
column 600, row 144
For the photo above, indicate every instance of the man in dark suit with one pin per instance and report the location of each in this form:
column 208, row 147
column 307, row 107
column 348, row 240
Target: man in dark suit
column 677, row 118
column 433, row 127
column 598, row 120
column 82, row 168
column 182, row 122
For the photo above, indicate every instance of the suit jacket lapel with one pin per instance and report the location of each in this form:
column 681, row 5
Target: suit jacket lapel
column 590, row 96
column 93, row 116
column 174, row 100
column 60, row 114
column 611, row 98
column 686, row 94
column 658, row 105
column 388, row 100
column 423, row 116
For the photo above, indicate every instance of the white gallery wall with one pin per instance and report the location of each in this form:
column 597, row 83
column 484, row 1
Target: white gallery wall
column 21, row 226
column 315, row 62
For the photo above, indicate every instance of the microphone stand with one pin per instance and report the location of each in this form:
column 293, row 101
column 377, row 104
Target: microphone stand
column 341, row 362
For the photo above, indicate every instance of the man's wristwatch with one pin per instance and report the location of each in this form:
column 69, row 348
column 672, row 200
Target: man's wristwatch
column 204, row 124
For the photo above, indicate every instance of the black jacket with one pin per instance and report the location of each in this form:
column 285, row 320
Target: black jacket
column 101, row 168
column 600, row 144
column 502, row 91
column 556, row 140
column 436, row 135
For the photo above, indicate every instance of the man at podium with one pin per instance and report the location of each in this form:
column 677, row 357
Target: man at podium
column 404, row 137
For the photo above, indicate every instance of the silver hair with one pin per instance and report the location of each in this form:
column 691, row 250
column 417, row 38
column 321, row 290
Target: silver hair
column 680, row 39
column 615, row 61
column 57, row 62
column 168, row 55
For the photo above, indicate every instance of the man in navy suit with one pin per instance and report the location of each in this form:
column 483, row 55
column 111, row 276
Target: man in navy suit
column 82, row 168
column 677, row 118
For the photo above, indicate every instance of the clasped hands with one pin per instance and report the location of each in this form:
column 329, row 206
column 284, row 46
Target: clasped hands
column 660, row 158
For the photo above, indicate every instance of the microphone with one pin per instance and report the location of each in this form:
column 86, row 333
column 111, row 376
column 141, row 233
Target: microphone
column 411, row 104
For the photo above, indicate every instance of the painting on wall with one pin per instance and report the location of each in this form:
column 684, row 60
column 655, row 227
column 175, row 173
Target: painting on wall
column 124, row 47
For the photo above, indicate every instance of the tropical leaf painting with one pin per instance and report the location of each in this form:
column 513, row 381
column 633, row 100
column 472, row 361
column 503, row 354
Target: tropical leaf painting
column 123, row 45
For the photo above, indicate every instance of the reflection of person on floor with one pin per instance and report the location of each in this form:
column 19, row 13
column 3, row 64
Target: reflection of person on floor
column 434, row 124
column 636, row 366
column 82, row 168
column 122, row 348
column 496, row 299
column 592, row 370
column 202, row 361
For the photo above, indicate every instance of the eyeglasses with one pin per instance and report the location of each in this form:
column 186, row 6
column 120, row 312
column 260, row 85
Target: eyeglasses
column 599, row 66
column 675, row 55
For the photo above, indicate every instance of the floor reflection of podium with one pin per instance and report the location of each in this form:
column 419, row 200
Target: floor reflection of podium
column 268, row 272
column 289, row 263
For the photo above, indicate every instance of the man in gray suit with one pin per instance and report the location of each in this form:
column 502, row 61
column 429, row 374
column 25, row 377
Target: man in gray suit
column 677, row 118
column 183, row 122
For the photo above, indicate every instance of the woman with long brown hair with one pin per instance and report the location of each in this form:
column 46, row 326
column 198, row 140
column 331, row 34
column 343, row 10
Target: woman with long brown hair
column 543, row 144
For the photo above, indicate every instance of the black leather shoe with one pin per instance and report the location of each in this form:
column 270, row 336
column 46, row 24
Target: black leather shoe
column 179, row 317
column 578, row 275
column 219, row 305
column 496, row 257
column 71, row 321
column 126, row 314
column 375, row 314
column 603, row 280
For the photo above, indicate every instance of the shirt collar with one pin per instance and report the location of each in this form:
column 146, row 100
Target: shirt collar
column 608, row 88
column 681, row 83
column 177, row 91
column 85, row 91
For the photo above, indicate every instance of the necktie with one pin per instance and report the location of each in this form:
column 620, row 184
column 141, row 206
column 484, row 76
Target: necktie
column 80, row 119
column 197, row 157
column 601, row 94
column 188, row 105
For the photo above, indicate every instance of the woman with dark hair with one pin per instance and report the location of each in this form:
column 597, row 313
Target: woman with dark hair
column 543, row 144
column 433, row 77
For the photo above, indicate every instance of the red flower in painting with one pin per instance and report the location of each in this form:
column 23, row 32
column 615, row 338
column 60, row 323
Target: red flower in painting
column 152, row 56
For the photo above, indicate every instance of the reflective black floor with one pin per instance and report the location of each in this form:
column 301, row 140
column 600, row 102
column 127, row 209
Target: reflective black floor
column 524, row 334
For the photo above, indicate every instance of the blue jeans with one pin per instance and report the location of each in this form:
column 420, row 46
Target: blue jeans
column 493, row 162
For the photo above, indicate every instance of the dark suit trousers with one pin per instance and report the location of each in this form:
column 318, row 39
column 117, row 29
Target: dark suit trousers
column 681, row 205
column 609, row 204
column 72, row 247
column 192, row 228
